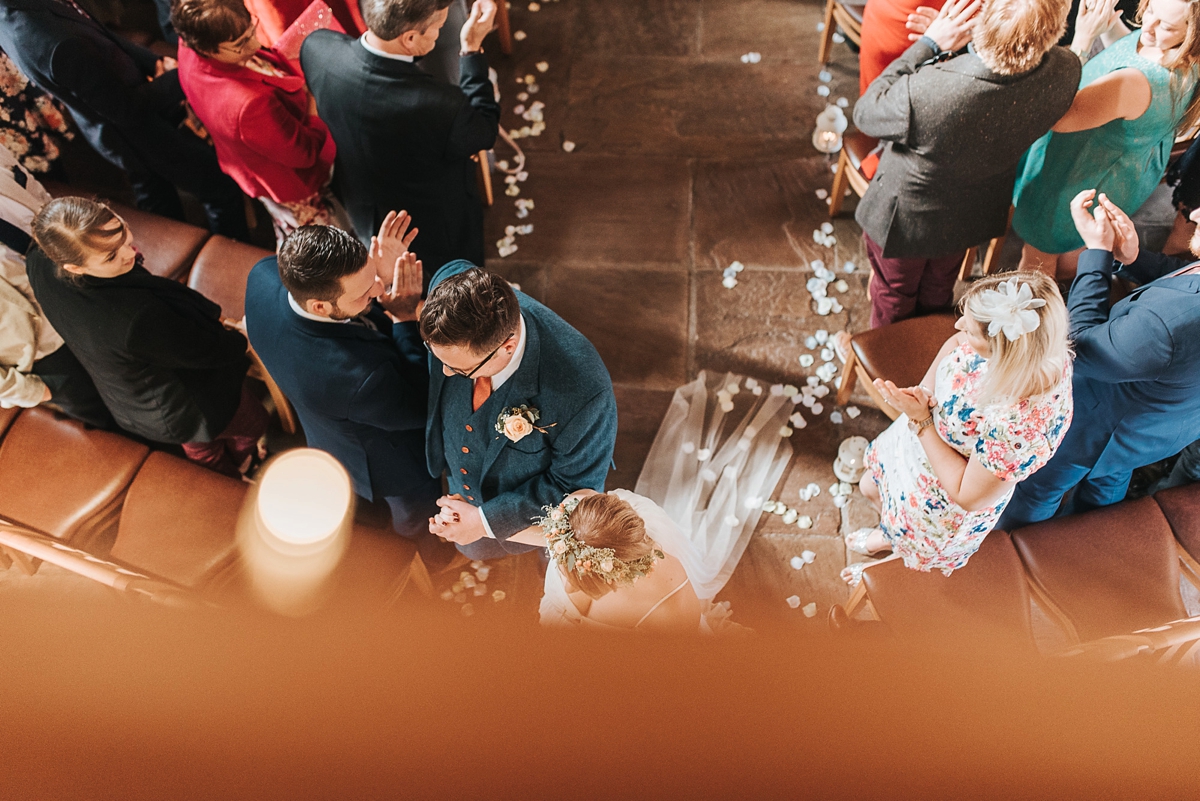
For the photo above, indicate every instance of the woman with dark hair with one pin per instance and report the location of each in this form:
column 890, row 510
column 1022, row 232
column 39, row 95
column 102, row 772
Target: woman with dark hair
column 166, row 366
column 259, row 113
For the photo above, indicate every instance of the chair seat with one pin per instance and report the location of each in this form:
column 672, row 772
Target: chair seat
column 168, row 246
column 64, row 479
column 6, row 418
column 858, row 146
column 903, row 351
column 1108, row 571
column 220, row 272
column 985, row 600
column 855, row 11
column 179, row 521
column 1181, row 507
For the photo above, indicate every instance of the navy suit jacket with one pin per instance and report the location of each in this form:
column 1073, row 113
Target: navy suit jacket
column 360, row 393
column 563, row 377
column 1137, row 366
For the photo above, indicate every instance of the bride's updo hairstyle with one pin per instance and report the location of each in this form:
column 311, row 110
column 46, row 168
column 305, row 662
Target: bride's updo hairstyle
column 606, row 521
column 1033, row 363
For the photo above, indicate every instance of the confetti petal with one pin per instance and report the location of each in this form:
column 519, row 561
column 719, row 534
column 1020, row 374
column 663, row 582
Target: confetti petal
column 794, row 601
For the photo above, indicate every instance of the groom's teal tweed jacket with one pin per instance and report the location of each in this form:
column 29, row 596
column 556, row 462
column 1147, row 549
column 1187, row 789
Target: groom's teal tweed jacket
column 561, row 375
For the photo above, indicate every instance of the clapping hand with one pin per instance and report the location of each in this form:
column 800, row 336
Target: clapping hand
column 402, row 300
column 1096, row 228
column 913, row 401
column 1125, row 237
column 1094, row 18
column 478, row 25
column 919, row 21
column 952, row 27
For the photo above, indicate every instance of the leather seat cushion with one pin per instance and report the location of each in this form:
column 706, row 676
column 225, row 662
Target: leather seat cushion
column 6, row 418
column 58, row 477
column 986, row 599
column 1181, row 507
column 858, row 146
column 220, row 271
column 1110, row 571
column 179, row 520
column 903, row 351
column 167, row 246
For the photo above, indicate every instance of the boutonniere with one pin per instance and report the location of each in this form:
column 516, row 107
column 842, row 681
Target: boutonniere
column 518, row 422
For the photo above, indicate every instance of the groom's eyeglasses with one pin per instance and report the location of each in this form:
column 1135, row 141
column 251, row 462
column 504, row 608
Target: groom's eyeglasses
column 477, row 367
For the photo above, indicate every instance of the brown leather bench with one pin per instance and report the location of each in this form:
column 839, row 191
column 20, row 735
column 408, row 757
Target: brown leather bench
column 1181, row 507
column 168, row 246
column 220, row 271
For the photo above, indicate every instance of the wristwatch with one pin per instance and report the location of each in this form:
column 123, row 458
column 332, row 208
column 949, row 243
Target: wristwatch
column 918, row 427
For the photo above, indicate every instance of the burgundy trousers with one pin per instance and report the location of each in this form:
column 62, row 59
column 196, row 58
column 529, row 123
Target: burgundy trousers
column 902, row 288
column 230, row 449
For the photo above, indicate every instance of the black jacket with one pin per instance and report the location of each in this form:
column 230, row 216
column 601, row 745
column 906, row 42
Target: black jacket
column 404, row 142
column 165, row 366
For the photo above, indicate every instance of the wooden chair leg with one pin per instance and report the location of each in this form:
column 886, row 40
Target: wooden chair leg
column 5, row 561
column 24, row 562
column 993, row 254
column 1188, row 566
column 419, row 575
column 503, row 28
column 838, row 193
column 968, row 264
column 857, row 599
column 827, row 34
column 848, row 379
column 485, row 176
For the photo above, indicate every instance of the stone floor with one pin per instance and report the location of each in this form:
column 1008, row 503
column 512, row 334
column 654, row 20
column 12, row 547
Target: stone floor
column 685, row 160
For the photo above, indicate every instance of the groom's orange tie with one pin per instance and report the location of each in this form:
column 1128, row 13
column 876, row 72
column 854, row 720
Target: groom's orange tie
column 483, row 391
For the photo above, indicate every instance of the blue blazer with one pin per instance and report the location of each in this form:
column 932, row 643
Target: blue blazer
column 562, row 376
column 359, row 393
column 1137, row 366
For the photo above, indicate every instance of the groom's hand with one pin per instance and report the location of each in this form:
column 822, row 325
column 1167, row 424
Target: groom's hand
column 466, row 526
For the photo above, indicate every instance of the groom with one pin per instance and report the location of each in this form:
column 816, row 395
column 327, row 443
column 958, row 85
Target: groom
column 521, row 409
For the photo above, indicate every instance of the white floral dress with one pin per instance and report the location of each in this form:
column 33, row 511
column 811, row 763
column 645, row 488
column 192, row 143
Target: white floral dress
column 926, row 528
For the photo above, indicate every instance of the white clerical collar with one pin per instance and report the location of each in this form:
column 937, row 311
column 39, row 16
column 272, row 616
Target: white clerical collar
column 307, row 315
column 375, row 51
column 515, row 362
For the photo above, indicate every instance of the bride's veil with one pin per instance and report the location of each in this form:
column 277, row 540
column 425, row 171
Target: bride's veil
column 718, row 454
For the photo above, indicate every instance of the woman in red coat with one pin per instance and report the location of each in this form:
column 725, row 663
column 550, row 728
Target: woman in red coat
column 259, row 112
column 885, row 34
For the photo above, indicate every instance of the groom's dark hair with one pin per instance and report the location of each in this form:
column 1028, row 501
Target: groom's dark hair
column 473, row 309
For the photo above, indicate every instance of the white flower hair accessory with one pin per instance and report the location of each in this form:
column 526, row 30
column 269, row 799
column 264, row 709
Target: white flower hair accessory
column 1009, row 308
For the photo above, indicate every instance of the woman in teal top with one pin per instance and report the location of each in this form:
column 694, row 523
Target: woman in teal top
column 1118, row 133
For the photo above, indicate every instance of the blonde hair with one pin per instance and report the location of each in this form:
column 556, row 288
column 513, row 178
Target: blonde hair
column 1033, row 363
column 1187, row 57
column 606, row 521
column 69, row 229
column 1012, row 36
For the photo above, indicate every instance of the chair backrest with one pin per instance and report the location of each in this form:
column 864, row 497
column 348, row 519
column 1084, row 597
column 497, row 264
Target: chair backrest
column 903, row 351
column 168, row 246
column 220, row 271
column 6, row 418
column 985, row 600
column 1108, row 571
column 179, row 520
column 1181, row 507
column 64, row 479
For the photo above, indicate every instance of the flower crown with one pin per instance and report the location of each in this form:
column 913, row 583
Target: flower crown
column 583, row 559
column 1009, row 308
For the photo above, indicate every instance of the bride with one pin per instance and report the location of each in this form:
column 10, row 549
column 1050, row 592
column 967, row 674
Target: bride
column 612, row 567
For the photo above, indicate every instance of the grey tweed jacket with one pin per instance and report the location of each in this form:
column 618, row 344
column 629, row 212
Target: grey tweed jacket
column 955, row 133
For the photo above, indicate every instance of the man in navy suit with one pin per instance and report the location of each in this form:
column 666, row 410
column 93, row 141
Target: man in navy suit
column 348, row 355
column 1137, row 368
column 521, row 409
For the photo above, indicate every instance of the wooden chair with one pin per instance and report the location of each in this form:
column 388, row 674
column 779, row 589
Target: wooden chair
column 283, row 407
column 503, row 28
column 848, row 17
column 1181, row 507
column 899, row 352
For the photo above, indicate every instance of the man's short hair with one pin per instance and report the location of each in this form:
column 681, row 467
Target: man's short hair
column 204, row 25
column 475, row 309
column 1012, row 36
column 387, row 19
column 314, row 259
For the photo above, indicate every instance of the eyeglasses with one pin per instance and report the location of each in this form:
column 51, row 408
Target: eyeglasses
column 477, row 367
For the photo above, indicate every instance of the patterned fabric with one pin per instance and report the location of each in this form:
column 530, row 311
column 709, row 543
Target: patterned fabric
column 31, row 122
column 1012, row 441
column 320, row 209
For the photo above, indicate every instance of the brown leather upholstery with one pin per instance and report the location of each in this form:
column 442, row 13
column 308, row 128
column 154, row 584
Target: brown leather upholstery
column 179, row 520
column 220, row 270
column 858, row 146
column 168, row 246
column 987, row 599
column 903, row 351
column 1181, row 506
column 6, row 418
column 1108, row 571
column 63, row 479
column 855, row 12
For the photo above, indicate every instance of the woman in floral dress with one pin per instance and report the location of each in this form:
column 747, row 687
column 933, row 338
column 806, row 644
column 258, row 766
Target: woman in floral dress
column 991, row 410
column 32, row 124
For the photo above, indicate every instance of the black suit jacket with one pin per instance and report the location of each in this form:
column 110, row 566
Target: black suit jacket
column 404, row 142
column 360, row 393
column 101, row 78
column 160, row 357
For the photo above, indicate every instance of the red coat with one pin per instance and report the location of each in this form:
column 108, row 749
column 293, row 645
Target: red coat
column 265, row 138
